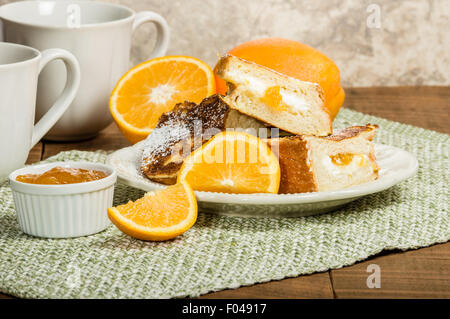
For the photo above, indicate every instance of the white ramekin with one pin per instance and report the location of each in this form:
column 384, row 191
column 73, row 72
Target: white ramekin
column 63, row 211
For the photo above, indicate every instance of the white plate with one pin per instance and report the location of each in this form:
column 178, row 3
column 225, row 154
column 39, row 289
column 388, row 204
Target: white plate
column 396, row 165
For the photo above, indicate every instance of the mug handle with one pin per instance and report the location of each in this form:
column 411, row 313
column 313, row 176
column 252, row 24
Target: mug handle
column 162, row 28
column 67, row 96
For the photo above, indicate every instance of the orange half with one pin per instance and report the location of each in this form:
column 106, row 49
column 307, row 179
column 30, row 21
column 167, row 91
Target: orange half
column 148, row 90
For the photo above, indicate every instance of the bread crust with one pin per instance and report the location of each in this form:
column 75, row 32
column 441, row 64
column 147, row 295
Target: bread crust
column 225, row 60
column 296, row 175
column 368, row 131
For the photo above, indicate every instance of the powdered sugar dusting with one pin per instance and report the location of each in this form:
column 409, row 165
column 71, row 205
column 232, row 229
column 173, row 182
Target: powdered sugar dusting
column 161, row 139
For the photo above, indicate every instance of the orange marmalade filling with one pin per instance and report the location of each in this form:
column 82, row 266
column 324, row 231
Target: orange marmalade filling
column 273, row 98
column 61, row 175
column 342, row 158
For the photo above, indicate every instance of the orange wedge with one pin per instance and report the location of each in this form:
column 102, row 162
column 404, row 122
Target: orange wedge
column 232, row 162
column 154, row 87
column 159, row 215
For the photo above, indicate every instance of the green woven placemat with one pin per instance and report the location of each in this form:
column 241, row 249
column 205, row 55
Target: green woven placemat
column 228, row 252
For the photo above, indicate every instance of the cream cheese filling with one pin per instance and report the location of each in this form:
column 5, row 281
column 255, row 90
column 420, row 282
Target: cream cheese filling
column 339, row 170
column 296, row 102
column 258, row 87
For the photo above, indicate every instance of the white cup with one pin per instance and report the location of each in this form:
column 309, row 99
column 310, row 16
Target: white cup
column 19, row 70
column 99, row 34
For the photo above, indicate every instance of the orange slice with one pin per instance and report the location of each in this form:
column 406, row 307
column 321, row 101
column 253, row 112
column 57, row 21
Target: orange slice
column 159, row 215
column 154, row 87
column 232, row 162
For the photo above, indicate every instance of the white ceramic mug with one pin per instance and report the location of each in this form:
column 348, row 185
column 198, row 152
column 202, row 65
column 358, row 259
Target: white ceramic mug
column 99, row 34
column 19, row 70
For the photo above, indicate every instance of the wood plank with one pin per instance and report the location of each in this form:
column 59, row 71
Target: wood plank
column 3, row 296
column 423, row 273
column 35, row 154
column 427, row 107
column 310, row 286
column 109, row 139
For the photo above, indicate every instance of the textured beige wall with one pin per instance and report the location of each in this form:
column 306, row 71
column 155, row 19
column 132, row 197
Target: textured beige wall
column 410, row 47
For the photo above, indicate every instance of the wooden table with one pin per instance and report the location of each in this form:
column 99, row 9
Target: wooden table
column 422, row 273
